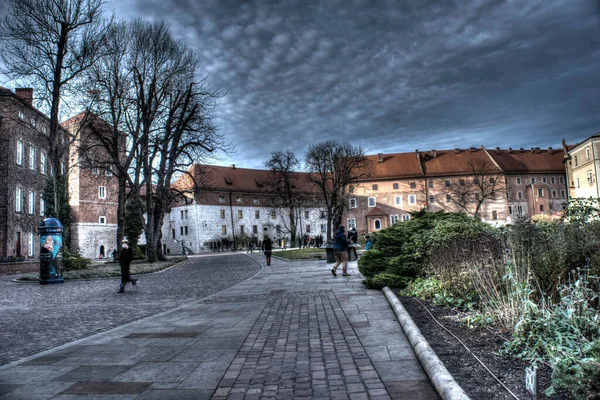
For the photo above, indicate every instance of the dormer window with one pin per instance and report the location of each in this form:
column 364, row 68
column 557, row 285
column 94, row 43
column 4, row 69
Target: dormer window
column 21, row 115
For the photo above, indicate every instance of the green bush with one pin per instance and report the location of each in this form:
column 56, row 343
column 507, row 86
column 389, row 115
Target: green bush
column 74, row 261
column 372, row 262
column 383, row 279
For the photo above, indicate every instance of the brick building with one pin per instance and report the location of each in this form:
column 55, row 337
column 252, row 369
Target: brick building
column 24, row 170
column 93, row 190
column 582, row 168
column 532, row 183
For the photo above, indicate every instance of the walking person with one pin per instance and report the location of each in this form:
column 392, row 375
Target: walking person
column 125, row 261
column 267, row 247
column 340, row 250
column 367, row 242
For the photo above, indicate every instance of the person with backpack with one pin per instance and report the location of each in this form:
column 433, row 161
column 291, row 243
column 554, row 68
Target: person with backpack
column 340, row 250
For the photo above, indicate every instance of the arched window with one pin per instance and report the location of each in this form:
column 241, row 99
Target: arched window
column 377, row 224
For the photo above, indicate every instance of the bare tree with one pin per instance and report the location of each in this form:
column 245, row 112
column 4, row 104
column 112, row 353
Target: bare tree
column 283, row 186
column 175, row 118
column 332, row 168
column 49, row 44
column 483, row 182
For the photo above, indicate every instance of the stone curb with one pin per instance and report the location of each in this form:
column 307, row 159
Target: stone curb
column 441, row 379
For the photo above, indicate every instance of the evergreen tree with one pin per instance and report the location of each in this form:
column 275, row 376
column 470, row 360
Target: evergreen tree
column 133, row 225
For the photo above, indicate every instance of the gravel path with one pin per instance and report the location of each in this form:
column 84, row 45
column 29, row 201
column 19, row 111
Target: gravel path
column 34, row 318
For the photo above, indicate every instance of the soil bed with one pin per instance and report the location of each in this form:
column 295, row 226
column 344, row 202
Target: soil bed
column 485, row 344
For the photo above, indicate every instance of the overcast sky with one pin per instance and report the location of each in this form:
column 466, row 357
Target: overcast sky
column 393, row 76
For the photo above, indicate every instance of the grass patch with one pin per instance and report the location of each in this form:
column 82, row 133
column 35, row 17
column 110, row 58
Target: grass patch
column 302, row 254
column 107, row 270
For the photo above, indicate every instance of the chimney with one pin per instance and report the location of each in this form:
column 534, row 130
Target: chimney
column 433, row 153
column 232, row 166
column 510, row 150
column 25, row 94
column 532, row 150
column 549, row 150
column 379, row 157
column 497, row 149
column 521, row 149
column 456, row 151
column 473, row 149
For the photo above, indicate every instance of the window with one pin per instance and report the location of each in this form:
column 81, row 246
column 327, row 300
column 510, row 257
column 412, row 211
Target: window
column 62, row 168
column 181, row 230
column 242, row 229
column 95, row 170
column 221, row 199
column 533, row 180
column 510, row 209
column 492, row 180
column 255, row 229
column 561, row 179
column 323, row 228
column 31, row 157
column 575, row 157
column 519, row 195
column 352, row 203
column 256, row 214
column 578, row 182
column 173, row 233
column 323, row 215
column 181, row 214
column 541, row 208
column 587, row 153
column 307, row 228
column 563, row 194
column 102, row 220
column 590, row 177
column 222, row 214
column 553, row 180
column 430, row 183
column 540, row 192
column 377, row 224
column 19, row 152
column 30, row 244
column 238, row 200
column 256, row 201
column 240, row 214
column 519, row 210
column 351, row 223
column 398, row 200
column 431, row 199
column 412, row 199
column 447, row 182
column 31, row 203
column 19, row 200
column 554, row 195
column 185, row 214
column 223, row 229
column 518, row 181
column 43, row 129
column 278, row 229
column 448, row 198
column 413, row 185
column 42, row 207
column 494, row 215
column 107, row 172
column 101, row 192
column 461, row 182
column 395, row 186
column 43, row 163
column 545, row 180
column 273, row 214
column 393, row 219
column 405, row 217
column 476, row 181
column 375, row 187
column 21, row 115
column 372, row 202
column 306, row 214
column 185, row 230
column 350, row 189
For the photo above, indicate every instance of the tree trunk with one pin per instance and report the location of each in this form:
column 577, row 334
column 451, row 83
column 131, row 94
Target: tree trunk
column 121, row 212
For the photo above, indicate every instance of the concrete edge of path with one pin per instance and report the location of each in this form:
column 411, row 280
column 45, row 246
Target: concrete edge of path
column 441, row 379
column 114, row 328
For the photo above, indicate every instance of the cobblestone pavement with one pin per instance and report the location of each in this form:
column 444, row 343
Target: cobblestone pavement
column 291, row 332
column 35, row 317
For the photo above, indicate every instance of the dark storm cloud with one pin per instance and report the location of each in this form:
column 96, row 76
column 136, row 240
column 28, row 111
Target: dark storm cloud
column 394, row 76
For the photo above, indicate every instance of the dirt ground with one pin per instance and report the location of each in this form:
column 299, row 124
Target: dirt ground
column 485, row 344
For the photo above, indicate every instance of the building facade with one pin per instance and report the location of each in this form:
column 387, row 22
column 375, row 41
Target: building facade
column 582, row 168
column 24, row 170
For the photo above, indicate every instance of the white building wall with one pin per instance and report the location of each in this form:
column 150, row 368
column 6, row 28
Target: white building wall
column 89, row 238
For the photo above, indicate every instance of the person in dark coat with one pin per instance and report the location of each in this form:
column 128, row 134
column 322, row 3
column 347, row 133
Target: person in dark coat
column 340, row 250
column 267, row 248
column 125, row 259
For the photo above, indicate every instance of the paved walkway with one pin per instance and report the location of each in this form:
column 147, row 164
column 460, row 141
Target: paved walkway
column 292, row 331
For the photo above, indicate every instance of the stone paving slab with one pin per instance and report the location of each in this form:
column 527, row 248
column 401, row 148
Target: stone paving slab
column 292, row 332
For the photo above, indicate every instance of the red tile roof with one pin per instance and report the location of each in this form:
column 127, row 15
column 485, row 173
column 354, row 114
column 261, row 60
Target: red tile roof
column 376, row 212
column 401, row 165
column 530, row 162
column 449, row 162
